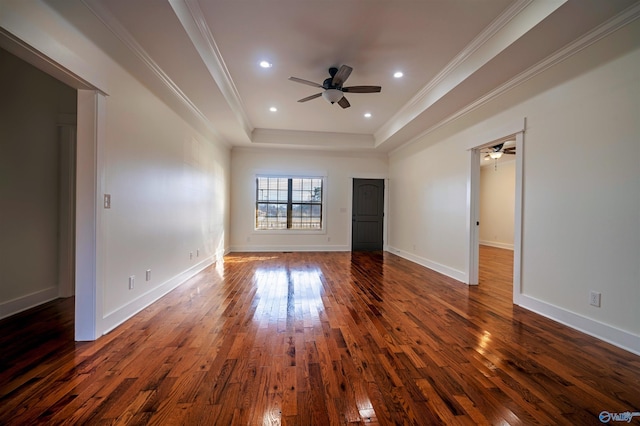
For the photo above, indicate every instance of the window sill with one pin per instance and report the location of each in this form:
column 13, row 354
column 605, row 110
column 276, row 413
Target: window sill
column 289, row 231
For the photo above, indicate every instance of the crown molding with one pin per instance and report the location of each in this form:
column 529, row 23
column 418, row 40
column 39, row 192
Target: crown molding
column 598, row 33
column 195, row 25
column 111, row 23
column 484, row 37
column 307, row 139
column 344, row 152
column 514, row 22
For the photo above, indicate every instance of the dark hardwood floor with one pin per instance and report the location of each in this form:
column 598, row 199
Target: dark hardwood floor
column 317, row 338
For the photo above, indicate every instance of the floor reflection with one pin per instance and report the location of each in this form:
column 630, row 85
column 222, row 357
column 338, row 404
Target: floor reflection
column 288, row 294
column 370, row 266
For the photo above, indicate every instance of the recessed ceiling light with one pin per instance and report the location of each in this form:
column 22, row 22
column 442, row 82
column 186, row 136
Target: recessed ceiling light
column 367, row 115
column 398, row 74
column 273, row 109
column 266, row 64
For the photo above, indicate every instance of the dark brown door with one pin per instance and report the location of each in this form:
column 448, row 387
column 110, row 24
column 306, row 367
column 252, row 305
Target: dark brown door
column 368, row 214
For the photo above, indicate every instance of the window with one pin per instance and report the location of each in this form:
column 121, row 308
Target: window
column 289, row 203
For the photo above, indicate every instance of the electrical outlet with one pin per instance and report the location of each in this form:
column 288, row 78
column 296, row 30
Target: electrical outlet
column 197, row 252
column 190, row 255
column 594, row 298
column 132, row 282
column 107, row 201
column 148, row 275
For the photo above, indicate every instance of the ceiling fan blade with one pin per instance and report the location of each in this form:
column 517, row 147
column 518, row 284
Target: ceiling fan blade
column 344, row 103
column 362, row 89
column 342, row 75
column 308, row 98
column 307, row 82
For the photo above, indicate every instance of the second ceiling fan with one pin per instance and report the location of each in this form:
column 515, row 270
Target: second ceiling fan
column 333, row 87
column 496, row 151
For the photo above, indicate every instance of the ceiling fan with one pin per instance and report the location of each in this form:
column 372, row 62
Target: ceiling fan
column 333, row 89
column 496, row 151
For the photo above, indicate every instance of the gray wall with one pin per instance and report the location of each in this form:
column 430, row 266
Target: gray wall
column 30, row 104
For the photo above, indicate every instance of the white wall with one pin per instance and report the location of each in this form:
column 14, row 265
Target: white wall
column 580, row 205
column 427, row 218
column 169, row 184
column 169, row 198
column 30, row 104
column 497, row 203
column 338, row 167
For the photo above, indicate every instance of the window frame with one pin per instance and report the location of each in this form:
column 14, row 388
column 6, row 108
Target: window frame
column 289, row 203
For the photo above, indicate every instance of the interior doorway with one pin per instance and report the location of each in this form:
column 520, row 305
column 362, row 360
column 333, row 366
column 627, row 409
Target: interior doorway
column 38, row 122
column 496, row 212
column 474, row 205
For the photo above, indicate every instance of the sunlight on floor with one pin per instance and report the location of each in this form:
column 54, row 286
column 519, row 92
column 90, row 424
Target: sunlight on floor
column 290, row 294
column 484, row 341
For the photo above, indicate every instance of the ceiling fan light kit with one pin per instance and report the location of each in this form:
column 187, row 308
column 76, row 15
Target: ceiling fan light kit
column 332, row 95
column 497, row 151
column 333, row 89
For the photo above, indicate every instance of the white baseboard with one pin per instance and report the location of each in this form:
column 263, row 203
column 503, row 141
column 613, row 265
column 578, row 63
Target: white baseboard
column 22, row 303
column 120, row 315
column 496, row 244
column 274, row 248
column 438, row 267
column 607, row 333
column 617, row 337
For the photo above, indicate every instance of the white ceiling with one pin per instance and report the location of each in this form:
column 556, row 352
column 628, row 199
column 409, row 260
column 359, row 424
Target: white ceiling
column 201, row 57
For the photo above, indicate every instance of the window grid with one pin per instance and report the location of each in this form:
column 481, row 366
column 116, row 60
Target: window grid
column 288, row 203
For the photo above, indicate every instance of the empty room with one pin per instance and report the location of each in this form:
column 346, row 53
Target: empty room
column 319, row 212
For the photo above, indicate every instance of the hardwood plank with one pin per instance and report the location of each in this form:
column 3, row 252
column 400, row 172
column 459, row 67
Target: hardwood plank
column 316, row 339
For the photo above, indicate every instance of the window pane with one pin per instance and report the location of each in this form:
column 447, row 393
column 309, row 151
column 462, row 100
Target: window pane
column 306, row 216
column 307, row 190
column 272, row 189
column 271, row 216
column 317, row 191
column 296, row 186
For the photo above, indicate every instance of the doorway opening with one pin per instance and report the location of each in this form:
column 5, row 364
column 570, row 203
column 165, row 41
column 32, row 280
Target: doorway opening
column 497, row 204
column 38, row 143
column 476, row 155
column 496, row 212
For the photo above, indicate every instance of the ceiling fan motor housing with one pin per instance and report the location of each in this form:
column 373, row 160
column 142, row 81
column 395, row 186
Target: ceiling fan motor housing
column 327, row 84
